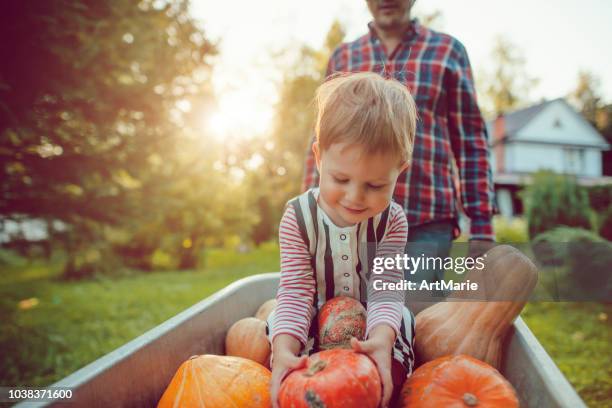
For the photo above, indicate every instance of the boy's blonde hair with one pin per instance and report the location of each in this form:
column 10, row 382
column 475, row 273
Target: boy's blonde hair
column 366, row 109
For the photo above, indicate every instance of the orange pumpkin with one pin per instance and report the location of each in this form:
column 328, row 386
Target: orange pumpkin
column 247, row 338
column 333, row 379
column 457, row 381
column 265, row 309
column 218, row 382
column 478, row 328
column 340, row 319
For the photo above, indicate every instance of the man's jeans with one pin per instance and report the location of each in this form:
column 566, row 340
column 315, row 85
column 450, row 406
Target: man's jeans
column 433, row 239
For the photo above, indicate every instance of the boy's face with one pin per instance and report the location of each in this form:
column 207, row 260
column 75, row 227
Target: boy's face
column 354, row 185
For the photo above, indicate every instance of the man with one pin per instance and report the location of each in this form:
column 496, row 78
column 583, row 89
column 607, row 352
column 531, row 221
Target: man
column 451, row 133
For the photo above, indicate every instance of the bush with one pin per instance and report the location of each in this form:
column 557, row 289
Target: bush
column 589, row 259
column 90, row 260
column 11, row 258
column 600, row 197
column 511, row 231
column 605, row 224
column 88, row 252
column 585, row 256
column 554, row 200
column 550, row 247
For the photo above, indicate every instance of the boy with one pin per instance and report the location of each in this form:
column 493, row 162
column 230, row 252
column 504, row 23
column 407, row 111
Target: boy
column 329, row 235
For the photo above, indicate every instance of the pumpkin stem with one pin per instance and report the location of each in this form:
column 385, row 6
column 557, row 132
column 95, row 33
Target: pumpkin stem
column 315, row 368
column 470, row 399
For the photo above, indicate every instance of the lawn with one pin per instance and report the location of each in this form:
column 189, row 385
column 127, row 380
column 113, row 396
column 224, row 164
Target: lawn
column 70, row 324
column 578, row 337
column 73, row 323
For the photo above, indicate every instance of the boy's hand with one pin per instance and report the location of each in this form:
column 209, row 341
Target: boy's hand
column 378, row 347
column 283, row 363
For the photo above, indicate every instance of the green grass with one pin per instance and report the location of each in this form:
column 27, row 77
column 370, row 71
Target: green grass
column 578, row 337
column 76, row 322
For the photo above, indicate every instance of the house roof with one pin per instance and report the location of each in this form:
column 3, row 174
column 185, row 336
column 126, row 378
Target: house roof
column 515, row 121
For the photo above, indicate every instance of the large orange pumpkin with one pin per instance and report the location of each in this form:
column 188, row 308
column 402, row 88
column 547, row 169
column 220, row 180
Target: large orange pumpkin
column 247, row 338
column 340, row 319
column 478, row 328
column 218, row 382
column 333, row 379
column 265, row 309
column 457, row 381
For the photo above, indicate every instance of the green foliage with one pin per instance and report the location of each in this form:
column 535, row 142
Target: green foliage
column 508, row 85
column 586, row 95
column 553, row 200
column 265, row 226
column 11, row 259
column 600, row 197
column 589, row 261
column 83, row 131
column 512, row 231
column 100, row 111
column 95, row 258
column 585, row 259
column 550, row 247
column 603, row 121
column 280, row 176
column 605, row 224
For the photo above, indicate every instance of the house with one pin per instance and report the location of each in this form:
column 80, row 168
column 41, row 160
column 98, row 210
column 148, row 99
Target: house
column 550, row 135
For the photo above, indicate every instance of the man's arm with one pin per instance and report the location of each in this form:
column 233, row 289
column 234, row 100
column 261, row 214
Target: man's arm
column 469, row 141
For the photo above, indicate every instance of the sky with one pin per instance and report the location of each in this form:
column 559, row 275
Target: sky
column 557, row 38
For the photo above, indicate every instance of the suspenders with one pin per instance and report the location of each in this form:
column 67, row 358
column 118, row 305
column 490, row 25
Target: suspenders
column 306, row 208
column 306, row 213
column 308, row 201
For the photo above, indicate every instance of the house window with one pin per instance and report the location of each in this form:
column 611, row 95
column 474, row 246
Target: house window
column 574, row 162
column 557, row 123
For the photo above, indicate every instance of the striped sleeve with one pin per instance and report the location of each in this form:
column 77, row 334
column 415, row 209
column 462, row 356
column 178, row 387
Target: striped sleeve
column 296, row 290
column 385, row 307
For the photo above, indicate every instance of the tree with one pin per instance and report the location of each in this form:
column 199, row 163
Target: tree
column 283, row 154
column 85, row 101
column 433, row 19
column 95, row 125
column 603, row 122
column 508, row 86
column 588, row 101
column 585, row 96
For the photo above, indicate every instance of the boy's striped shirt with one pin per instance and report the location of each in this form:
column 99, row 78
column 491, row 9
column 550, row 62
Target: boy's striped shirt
column 342, row 257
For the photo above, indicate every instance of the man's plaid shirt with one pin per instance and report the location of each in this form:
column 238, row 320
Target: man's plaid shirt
column 436, row 69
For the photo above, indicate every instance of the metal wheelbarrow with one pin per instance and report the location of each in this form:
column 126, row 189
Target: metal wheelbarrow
column 137, row 373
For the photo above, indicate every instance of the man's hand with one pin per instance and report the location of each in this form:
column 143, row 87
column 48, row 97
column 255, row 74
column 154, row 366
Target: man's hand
column 378, row 347
column 477, row 247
